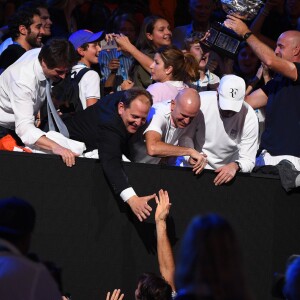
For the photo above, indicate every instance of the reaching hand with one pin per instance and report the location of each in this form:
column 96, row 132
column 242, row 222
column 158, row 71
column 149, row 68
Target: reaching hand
column 198, row 161
column 67, row 155
column 115, row 295
column 140, row 207
column 226, row 173
column 163, row 206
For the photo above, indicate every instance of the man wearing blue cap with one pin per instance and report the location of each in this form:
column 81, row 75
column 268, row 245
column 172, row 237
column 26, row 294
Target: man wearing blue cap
column 21, row 278
column 87, row 46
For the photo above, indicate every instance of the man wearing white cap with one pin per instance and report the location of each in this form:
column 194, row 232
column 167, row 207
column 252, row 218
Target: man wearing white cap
column 228, row 130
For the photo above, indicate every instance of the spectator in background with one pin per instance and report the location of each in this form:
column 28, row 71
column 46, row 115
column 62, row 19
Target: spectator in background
column 208, row 81
column 173, row 71
column 115, row 64
column 155, row 32
column 63, row 16
column 44, row 15
column 201, row 13
column 26, row 30
column 209, row 264
column 21, row 278
column 87, row 46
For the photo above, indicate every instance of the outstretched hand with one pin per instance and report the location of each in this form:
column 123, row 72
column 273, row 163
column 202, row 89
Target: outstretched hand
column 115, row 295
column 163, row 206
column 140, row 207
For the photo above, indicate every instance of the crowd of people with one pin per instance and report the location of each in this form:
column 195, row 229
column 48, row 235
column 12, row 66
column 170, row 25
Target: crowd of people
column 127, row 82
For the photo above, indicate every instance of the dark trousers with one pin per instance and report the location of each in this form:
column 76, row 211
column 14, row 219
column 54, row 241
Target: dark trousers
column 4, row 131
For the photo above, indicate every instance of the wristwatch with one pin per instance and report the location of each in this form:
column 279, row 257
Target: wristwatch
column 246, row 35
column 239, row 166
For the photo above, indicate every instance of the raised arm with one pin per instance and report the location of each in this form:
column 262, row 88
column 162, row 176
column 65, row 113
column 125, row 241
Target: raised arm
column 262, row 51
column 164, row 249
column 125, row 45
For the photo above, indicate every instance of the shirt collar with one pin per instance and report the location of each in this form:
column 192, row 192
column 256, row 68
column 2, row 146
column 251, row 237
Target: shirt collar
column 10, row 247
column 38, row 70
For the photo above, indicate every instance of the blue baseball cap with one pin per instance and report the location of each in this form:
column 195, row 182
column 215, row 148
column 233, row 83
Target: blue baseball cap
column 80, row 37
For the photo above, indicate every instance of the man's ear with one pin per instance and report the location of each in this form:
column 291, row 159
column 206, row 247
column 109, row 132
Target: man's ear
column 121, row 108
column 296, row 51
column 173, row 104
column 23, row 30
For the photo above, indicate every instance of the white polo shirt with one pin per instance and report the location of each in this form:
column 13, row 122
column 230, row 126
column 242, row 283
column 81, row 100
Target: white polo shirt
column 22, row 93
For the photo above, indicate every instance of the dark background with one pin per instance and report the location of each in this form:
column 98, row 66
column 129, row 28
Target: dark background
column 100, row 245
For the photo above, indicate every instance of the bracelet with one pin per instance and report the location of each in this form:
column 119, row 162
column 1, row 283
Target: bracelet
column 114, row 71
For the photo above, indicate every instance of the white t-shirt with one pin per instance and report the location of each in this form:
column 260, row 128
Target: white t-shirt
column 162, row 91
column 89, row 85
column 224, row 140
column 159, row 118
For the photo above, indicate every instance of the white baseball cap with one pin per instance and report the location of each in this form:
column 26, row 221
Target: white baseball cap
column 231, row 91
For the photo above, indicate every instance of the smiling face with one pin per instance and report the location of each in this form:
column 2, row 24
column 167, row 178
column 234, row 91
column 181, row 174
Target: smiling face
column 185, row 107
column 135, row 115
column 158, row 71
column 161, row 35
column 34, row 33
column 90, row 53
column 288, row 46
column 46, row 21
column 55, row 74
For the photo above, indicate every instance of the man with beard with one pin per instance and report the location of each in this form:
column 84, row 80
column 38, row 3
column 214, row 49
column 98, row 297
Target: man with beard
column 26, row 30
column 45, row 18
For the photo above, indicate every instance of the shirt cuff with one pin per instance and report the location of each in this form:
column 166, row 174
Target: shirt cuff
column 127, row 193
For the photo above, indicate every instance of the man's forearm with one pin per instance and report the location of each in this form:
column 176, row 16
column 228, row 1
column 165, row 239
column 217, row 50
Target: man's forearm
column 165, row 254
column 162, row 149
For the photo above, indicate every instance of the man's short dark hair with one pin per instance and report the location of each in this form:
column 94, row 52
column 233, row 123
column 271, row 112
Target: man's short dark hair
column 21, row 17
column 58, row 53
column 131, row 94
column 153, row 287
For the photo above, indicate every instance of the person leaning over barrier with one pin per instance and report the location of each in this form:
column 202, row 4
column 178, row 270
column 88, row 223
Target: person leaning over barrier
column 227, row 132
column 170, row 120
column 107, row 126
column 23, row 91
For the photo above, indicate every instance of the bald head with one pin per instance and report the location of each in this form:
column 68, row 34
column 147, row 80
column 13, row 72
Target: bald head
column 185, row 107
column 288, row 46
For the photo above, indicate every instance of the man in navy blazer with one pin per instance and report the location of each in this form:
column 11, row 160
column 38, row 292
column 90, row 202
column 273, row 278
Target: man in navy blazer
column 107, row 126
